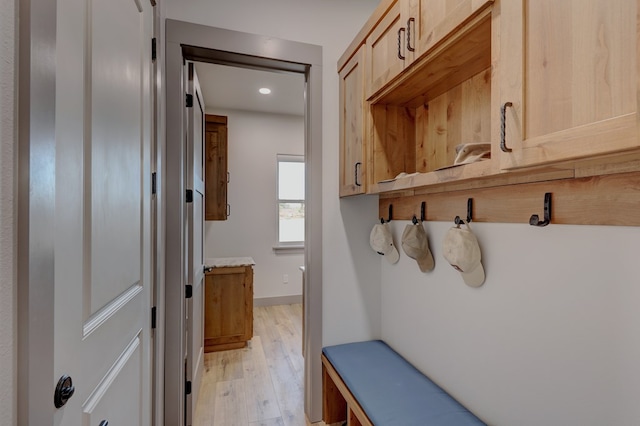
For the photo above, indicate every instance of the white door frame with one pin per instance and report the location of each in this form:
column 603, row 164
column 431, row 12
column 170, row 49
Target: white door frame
column 198, row 42
column 36, row 207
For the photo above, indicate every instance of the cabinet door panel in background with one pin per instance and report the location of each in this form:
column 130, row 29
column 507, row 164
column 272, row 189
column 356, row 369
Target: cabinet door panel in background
column 570, row 71
column 216, row 171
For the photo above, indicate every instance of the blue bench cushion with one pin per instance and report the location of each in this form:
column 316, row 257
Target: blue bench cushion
column 391, row 391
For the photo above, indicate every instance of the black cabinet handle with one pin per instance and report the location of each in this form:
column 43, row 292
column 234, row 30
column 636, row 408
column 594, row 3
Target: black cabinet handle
column 400, row 55
column 358, row 164
column 409, row 47
column 503, row 125
column 104, row 423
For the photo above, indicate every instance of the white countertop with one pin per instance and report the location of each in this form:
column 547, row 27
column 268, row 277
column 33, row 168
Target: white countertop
column 221, row 262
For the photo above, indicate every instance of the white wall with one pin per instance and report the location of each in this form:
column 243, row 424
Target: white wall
column 351, row 276
column 7, row 228
column 254, row 140
column 551, row 338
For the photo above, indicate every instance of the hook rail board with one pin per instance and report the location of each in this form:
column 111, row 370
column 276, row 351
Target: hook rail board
column 597, row 200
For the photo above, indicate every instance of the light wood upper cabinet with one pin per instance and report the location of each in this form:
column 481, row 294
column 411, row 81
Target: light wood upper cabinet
column 551, row 85
column 352, row 126
column 442, row 101
column 387, row 54
column 408, row 30
column 216, row 169
column 432, row 20
column 570, row 71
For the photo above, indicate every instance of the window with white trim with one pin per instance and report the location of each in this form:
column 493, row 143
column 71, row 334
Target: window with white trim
column 290, row 200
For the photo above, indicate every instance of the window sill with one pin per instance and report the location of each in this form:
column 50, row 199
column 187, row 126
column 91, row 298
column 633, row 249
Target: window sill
column 293, row 248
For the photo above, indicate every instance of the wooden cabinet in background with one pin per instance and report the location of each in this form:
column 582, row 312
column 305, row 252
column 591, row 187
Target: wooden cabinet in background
column 216, row 171
column 570, row 72
column 228, row 317
column 352, row 126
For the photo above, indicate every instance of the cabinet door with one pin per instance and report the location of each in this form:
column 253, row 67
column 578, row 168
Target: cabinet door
column 352, row 126
column 216, row 172
column 434, row 20
column 386, row 49
column 228, row 319
column 570, row 70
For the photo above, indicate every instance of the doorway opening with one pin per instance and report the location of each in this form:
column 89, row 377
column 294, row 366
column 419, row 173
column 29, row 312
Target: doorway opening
column 254, row 206
column 192, row 42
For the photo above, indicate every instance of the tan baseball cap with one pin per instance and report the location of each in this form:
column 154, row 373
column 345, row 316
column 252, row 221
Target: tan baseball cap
column 416, row 246
column 381, row 242
column 461, row 249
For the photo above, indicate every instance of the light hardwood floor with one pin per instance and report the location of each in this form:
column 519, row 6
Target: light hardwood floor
column 261, row 384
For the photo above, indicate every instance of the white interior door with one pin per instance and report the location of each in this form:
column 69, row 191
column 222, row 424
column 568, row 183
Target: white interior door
column 102, row 214
column 195, row 240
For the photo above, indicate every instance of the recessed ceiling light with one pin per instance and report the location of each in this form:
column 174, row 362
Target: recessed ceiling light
column 264, row 91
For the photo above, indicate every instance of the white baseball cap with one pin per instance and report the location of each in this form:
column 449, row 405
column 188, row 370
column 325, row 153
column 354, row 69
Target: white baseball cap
column 472, row 152
column 461, row 249
column 381, row 242
column 416, row 246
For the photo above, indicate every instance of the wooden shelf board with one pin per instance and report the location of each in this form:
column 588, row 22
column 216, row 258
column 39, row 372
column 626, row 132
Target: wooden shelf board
column 596, row 200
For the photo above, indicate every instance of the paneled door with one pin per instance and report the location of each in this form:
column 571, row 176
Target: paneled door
column 569, row 80
column 102, row 215
column 194, row 355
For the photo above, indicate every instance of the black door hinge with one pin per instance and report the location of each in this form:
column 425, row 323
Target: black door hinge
column 154, row 51
column 189, row 196
column 189, row 100
column 153, row 183
column 153, row 317
column 188, row 291
column 187, row 387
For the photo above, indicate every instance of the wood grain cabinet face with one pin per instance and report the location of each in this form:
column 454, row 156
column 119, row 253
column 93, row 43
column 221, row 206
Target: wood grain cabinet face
column 352, row 127
column 216, row 169
column 408, row 30
column 443, row 100
column 228, row 318
column 436, row 19
column 386, row 52
column 570, row 70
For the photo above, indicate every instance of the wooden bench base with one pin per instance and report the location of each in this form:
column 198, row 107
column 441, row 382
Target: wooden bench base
column 338, row 404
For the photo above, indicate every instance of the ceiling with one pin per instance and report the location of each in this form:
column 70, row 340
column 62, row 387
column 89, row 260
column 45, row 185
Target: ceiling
column 229, row 87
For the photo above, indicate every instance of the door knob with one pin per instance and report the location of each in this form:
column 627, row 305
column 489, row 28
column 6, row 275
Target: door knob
column 64, row 391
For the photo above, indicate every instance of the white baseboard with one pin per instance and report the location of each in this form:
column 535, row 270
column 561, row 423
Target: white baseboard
column 280, row 300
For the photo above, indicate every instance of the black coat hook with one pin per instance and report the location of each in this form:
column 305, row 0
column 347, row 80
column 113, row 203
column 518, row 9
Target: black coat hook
column 535, row 220
column 422, row 214
column 390, row 214
column 459, row 221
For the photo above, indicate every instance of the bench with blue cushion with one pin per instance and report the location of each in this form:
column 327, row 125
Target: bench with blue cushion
column 368, row 383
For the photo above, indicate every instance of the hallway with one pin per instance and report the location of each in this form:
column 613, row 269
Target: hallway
column 261, row 384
